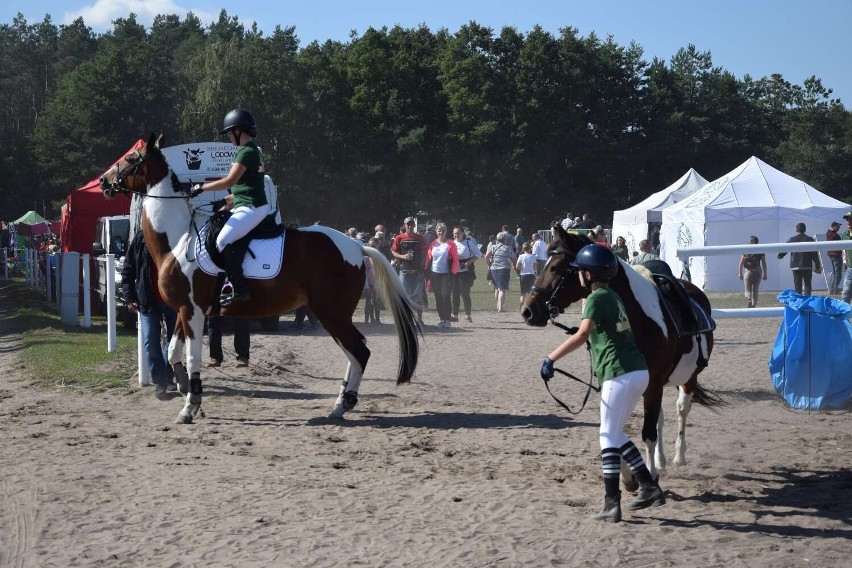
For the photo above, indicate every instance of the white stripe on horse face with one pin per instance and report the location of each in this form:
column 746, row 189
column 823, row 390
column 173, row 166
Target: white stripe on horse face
column 349, row 249
column 646, row 295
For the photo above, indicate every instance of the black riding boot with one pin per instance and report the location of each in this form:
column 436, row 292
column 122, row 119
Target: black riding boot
column 236, row 288
column 650, row 495
column 611, row 512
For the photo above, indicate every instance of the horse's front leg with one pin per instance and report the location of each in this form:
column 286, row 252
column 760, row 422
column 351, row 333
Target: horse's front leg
column 684, row 405
column 660, row 460
column 652, row 431
column 192, row 404
column 176, row 353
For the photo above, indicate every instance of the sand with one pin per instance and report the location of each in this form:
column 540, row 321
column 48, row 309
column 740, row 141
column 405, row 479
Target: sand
column 471, row 465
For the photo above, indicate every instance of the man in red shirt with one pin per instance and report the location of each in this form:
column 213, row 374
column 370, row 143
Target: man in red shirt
column 409, row 250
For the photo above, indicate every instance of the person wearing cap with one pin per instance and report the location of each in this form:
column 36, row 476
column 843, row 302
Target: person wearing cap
column 846, row 235
column 409, row 250
column 835, row 260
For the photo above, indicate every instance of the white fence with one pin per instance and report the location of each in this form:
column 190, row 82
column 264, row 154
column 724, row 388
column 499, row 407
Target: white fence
column 721, row 250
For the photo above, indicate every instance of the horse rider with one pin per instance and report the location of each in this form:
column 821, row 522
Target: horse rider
column 246, row 199
column 622, row 373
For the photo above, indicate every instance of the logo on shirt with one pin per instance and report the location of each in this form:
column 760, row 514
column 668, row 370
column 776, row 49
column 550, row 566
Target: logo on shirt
column 623, row 323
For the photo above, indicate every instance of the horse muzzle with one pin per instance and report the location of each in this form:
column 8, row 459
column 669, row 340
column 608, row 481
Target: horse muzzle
column 110, row 188
column 535, row 314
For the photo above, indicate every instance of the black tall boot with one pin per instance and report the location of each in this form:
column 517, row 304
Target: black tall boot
column 236, row 288
column 611, row 512
column 650, row 494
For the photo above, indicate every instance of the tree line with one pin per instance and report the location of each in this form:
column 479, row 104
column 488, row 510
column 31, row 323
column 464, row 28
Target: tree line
column 491, row 126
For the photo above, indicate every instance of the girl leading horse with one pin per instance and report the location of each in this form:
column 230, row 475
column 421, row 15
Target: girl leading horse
column 672, row 360
column 322, row 269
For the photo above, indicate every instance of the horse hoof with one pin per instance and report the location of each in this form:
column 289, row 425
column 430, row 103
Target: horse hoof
column 338, row 412
column 631, row 485
column 184, row 418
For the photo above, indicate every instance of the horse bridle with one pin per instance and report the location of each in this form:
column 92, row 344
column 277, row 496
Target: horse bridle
column 550, row 305
column 131, row 170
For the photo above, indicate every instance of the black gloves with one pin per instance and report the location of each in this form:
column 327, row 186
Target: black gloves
column 197, row 189
column 547, row 368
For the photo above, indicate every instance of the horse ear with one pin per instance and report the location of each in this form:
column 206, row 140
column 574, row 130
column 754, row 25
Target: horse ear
column 161, row 141
column 152, row 141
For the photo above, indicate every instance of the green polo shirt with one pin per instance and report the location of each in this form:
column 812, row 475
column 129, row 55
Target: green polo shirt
column 614, row 350
column 248, row 191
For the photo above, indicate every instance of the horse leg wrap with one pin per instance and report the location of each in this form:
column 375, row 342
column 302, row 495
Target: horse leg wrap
column 195, row 389
column 350, row 399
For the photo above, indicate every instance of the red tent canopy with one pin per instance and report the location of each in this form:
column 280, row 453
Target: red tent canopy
column 84, row 206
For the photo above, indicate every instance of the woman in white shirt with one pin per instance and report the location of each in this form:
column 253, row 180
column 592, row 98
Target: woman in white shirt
column 443, row 262
column 468, row 250
column 526, row 270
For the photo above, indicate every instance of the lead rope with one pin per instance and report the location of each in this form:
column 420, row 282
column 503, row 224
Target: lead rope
column 589, row 385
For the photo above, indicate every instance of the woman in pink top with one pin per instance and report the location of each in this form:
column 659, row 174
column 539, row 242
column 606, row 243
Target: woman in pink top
column 442, row 263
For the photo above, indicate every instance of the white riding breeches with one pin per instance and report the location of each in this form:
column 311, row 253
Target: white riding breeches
column 619, row 396
column 243, row 219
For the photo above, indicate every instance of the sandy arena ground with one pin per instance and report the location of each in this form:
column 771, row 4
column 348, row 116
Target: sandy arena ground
column 471, row 465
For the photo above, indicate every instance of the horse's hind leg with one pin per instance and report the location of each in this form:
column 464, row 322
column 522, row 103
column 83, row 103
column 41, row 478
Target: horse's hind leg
column 684, row 405
column 354, row 345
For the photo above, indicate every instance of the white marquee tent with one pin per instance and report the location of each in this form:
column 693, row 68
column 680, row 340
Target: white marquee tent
column 753, row 199
column 632, row 223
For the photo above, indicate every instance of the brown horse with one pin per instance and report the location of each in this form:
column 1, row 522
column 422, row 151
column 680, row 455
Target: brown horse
column 322, row 269
column 672, row 360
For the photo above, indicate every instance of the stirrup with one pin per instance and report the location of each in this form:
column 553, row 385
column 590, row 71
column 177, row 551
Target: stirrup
column 228, row 295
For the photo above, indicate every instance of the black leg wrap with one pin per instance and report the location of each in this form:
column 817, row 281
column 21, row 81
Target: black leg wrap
column 195, row 388
column 350, row 399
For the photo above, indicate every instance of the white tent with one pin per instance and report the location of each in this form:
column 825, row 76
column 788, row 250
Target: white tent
column 632, row 223
column 753, row 199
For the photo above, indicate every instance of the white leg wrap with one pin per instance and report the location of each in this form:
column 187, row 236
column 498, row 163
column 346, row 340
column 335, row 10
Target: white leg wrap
column 660, row 460
column 684, row 405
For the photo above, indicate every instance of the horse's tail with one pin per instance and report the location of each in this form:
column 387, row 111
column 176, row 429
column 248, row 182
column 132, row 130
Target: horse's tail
column 707, row 398
column 407, row 327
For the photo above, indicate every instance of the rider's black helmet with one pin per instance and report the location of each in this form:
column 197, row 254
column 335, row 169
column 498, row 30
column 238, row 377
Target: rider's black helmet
column 239, row 118
column 597, row 259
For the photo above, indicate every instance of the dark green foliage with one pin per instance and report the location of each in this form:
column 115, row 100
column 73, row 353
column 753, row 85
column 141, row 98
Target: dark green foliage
column 492, row 126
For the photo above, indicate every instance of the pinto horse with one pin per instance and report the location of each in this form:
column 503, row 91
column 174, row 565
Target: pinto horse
column 322, row 269
column 672, row 360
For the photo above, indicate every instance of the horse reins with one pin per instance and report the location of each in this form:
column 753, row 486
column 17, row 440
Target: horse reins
column 590, row 386
column 553, row 311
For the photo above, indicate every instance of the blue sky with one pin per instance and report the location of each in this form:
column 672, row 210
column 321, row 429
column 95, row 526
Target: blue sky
column 796, row 38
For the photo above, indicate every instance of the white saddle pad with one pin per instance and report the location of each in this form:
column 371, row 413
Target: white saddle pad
column 266, row 262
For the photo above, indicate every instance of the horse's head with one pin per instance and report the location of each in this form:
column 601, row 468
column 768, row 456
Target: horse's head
column 558, row 285
column 138, row 170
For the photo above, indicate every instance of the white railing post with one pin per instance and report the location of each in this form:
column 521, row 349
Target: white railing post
column 70, row 300
column 141, row 356
column 87, row 292
column 110, row 302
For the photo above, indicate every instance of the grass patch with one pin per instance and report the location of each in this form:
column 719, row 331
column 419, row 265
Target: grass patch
column 53, row 353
